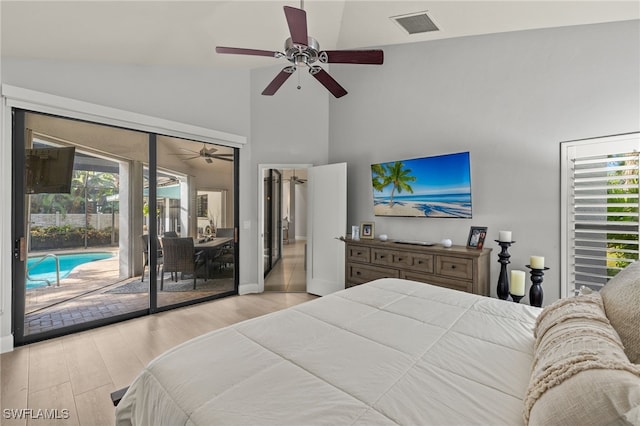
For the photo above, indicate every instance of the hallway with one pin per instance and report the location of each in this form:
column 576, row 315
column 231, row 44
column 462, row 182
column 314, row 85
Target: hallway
column 289, row 274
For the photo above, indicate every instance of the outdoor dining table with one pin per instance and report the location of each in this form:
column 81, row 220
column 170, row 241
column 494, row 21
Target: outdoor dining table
column 211, row 247
column 212, row 243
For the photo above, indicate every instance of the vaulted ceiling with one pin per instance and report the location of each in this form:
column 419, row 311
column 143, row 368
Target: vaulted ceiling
column 185, row 33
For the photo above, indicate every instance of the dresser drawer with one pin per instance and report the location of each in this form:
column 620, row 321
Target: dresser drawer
column 358, row 274
column 455, row 267
column 402, row 259
column 358, row 254
column 421, row 262
column 385, row 257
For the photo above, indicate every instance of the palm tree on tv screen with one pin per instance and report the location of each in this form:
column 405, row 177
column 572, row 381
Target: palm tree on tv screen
column 379, row 177
column 399, row 177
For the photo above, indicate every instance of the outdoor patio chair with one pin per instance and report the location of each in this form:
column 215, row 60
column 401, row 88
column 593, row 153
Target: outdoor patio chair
column 170, row 234
column 180, row 257
column 145, row 254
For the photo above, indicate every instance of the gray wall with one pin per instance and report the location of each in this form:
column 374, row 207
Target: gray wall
column 509, row 99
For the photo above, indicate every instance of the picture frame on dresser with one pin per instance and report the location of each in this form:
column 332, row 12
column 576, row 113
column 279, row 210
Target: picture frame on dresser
column 367, row 230
column 476, row 238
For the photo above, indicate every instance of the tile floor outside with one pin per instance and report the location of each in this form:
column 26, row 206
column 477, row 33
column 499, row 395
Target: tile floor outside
column 84, row 295
column 87, row 295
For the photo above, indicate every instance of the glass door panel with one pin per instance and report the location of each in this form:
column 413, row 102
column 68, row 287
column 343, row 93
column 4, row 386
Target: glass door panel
column 272, row 219
column 194, row 193
column 76, row 225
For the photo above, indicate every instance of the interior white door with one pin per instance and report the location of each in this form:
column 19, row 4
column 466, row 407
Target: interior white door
column 327, row 220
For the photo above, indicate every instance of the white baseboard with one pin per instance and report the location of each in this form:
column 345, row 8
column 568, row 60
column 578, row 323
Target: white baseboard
column 249, row 288
column 6, row 344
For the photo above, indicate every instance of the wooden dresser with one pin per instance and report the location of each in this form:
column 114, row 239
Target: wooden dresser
column 456, row 267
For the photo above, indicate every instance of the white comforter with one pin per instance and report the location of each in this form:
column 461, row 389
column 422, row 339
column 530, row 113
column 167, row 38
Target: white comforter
column 387, row 352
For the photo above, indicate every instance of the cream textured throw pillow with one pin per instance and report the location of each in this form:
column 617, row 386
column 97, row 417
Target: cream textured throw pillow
column 580, row 374
column 621, row 297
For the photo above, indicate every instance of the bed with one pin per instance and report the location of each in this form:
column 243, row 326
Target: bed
column 387, row 352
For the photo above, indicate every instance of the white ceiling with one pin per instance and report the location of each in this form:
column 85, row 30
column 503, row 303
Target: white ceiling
column 185, row 33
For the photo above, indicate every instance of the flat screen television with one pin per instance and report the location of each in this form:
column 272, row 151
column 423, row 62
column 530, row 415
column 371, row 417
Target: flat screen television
column 437, row 186
column 49, row 170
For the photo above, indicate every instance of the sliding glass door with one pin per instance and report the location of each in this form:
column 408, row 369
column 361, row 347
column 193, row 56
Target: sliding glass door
column 94, row 207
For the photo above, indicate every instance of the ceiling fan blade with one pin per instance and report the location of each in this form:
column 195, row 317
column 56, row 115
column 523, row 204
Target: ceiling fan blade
column 278, row 81
column 207, row 151
column 188, row 150
column 327, row 81
column 219, row 157
column 191, row 158
column 369, row 57
column 241, row 51
column 297, row 21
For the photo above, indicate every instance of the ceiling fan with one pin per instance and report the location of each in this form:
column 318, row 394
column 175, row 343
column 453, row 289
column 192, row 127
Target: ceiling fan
column 207, row 153
column 302, row 50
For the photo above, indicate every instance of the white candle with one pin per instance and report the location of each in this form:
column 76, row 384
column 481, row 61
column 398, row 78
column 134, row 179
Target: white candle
column 517, row 283
column 536, row 262
column 504, row 236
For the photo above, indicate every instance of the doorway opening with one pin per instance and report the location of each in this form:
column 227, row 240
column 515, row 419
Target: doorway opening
column 283, row 232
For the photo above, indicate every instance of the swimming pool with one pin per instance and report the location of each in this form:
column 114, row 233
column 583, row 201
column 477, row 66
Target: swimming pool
column 46, row 270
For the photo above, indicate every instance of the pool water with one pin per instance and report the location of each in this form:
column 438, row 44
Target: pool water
column 47, row 268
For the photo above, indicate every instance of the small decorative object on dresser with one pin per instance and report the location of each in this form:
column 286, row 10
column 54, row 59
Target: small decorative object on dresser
column 477, row 235
column 366, row 230
column 456, row 267
column 355, row 232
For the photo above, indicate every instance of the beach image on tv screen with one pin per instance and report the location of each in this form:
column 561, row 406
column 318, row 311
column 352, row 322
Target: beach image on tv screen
column 438, row 186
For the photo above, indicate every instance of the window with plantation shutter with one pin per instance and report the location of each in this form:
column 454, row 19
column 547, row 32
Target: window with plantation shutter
column 599, row 214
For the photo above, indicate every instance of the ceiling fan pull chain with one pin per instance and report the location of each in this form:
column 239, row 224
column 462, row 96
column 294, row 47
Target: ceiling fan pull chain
column 299, row 86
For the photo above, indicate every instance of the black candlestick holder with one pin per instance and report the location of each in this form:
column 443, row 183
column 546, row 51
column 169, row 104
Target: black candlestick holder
column 516, row 298
column 535, row 292
column 503, row 279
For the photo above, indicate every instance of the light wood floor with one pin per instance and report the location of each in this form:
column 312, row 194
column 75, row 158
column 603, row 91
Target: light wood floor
column 289, row 273
column 78, row 372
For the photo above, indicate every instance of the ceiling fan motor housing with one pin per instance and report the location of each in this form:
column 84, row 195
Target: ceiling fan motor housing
column 302, row 55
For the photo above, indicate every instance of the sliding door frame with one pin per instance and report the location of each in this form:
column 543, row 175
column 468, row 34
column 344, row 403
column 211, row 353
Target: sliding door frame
column 16, row 99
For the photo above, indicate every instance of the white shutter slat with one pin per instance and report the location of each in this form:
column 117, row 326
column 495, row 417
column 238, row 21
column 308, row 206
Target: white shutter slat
column 602, row 213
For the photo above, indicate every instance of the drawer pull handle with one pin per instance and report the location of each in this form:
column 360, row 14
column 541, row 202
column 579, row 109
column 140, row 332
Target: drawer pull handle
column 358, row 253
column 382, row 256
column 399, row 259
column 453, row 266
column 358, row 273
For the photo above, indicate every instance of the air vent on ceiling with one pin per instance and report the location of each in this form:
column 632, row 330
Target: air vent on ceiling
column 416, row 23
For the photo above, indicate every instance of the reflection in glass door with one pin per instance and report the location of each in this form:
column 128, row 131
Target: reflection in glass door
column 89, row 226
column 196, row 228
column 272, row 219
